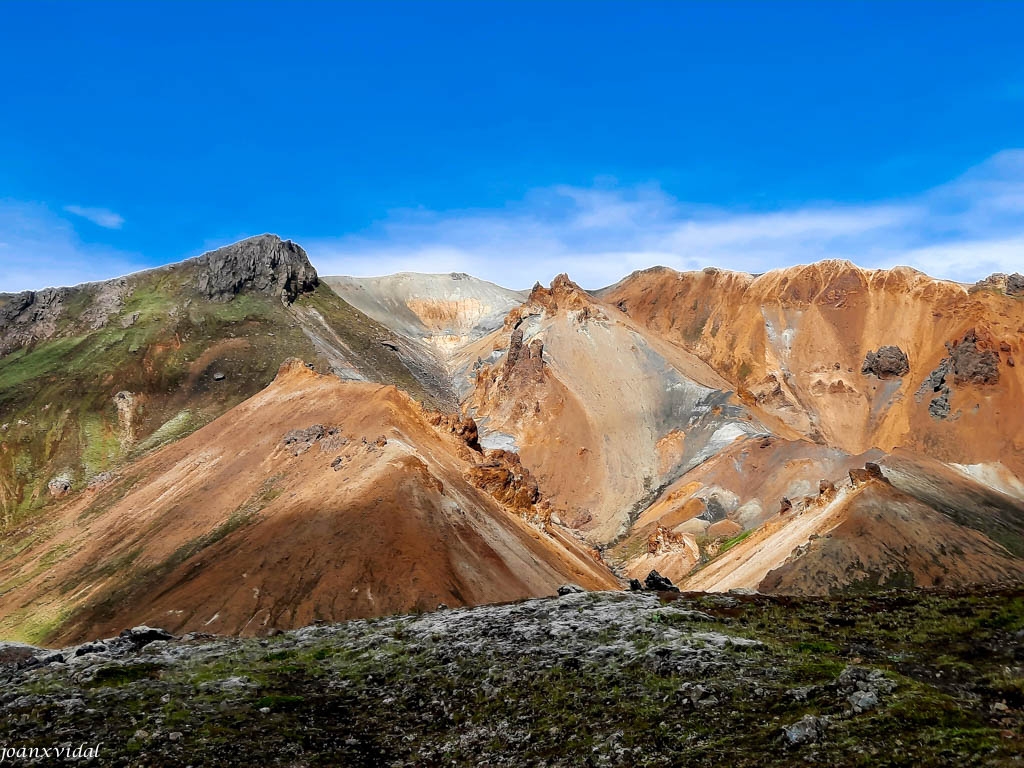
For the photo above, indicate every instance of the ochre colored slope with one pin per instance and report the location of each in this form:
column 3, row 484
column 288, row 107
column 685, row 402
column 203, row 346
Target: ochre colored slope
column 793, row 342
column 886, row 538
column 602, row 415
column 236, row 530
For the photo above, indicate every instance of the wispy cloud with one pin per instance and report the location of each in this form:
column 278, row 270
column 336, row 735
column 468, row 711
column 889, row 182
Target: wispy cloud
column 962, row 230
column 101, row 217
column 41, row 248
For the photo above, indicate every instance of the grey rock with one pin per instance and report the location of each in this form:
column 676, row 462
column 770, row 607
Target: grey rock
column 888, row 362
column 862, row 701
column 264, row 263
column 935, row 380
column 939, row 407
column 570, row 589
column 807, row 730
column 972, row 362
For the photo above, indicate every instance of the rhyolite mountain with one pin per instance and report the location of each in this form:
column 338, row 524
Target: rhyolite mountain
column 236, row 444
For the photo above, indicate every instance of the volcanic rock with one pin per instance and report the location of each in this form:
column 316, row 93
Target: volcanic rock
column 264, row 263
column 887, row 362
column 806, row 730
column 570, row 589
column 973, row 361
column 658, row 583
column 504, row 477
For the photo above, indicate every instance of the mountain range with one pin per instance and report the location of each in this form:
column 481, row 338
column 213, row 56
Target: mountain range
column 235, row 444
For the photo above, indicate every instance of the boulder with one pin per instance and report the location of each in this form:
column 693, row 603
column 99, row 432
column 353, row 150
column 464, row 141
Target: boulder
column 973, row 360
column 59, row 486
column 888, row 362
column 635, row 585
column 142, row 635
column 658, row 583
column 807, row 730
column 862, row 701
column 570, row 589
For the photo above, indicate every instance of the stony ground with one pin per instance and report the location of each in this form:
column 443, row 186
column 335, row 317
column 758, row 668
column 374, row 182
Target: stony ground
column 603, row 679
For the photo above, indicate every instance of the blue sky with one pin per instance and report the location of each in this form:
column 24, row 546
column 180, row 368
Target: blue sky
column 513, row 141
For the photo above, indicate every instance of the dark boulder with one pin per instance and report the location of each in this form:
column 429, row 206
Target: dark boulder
column 886, row 363
column 973, row 361
column 142, row 635
column 635, row 585
column 658, row 583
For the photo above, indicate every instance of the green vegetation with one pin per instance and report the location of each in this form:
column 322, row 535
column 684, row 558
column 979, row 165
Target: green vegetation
column 644, row 686
column 163, row 346
column 730, row 543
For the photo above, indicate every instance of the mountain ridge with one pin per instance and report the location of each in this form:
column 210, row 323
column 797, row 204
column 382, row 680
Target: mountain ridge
column 726, row 429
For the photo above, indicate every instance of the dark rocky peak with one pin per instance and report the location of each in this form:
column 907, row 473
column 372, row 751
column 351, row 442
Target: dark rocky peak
column 265, row 263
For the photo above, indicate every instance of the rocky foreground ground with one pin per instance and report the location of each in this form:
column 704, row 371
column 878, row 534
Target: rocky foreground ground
column 604, row 678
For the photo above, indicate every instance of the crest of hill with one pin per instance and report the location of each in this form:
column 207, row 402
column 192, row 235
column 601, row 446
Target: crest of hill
column 796, row 344
column 444, row 311
column 97, row 373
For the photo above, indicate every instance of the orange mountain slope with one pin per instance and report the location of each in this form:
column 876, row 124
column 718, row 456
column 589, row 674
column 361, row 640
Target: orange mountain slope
column 314, row 499
column 795, row 343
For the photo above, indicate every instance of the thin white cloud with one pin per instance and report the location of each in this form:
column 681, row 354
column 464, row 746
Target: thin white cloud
column 962, row 230
column 101, row 217
column 42, row 249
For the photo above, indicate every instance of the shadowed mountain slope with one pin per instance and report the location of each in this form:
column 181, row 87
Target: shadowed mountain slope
column 315, row 499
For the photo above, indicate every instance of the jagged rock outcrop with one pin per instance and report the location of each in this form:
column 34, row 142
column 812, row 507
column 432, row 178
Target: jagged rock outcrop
column 504, row 477
column 265, row 263
column 658, row 583
column 888, row 362
column 524, row 360
column 870, row 472
column 663, row 540
column 974, row 362
column 30, row 316
column 463, row 427
column 1011, row 285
